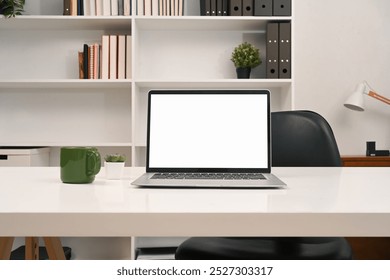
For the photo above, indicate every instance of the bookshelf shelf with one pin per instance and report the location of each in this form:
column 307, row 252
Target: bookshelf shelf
column 187, row 23
column 217, row 84
column 64, row 83
column 108, row 23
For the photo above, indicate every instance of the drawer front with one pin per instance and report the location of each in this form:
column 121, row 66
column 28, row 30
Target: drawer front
column 18, row 160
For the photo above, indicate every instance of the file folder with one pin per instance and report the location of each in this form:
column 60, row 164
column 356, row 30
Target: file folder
column 247, row 7
column 213, row 7
column 272, row 50
column 225, row 7
column 219, row 7
column 235, row 7
column 285, row 50
column 282, row 7
column 263, row 8
column 204, row 7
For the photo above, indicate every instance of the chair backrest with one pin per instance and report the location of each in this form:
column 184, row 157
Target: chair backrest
column 303, row 138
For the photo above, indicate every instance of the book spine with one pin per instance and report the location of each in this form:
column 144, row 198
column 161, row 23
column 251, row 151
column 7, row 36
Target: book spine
column 121, row 56
column 90, row 61
column 86, row 59
column 114, row 7
column 128, row 57
column 81, row 64
column 80, row 7
column 73, row 7
column 127, row 8
column 106, row 7
column 105, row 61
column 93, row 7
column 113, row 56
column 121, row 11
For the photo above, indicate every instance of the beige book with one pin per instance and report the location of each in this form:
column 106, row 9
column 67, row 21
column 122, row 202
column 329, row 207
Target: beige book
column 128, row 56
column 113, row 57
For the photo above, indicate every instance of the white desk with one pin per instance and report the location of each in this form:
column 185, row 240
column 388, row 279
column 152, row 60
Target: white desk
column 317, row 202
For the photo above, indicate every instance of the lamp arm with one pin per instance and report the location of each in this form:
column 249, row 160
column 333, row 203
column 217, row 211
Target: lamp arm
column 379, row 97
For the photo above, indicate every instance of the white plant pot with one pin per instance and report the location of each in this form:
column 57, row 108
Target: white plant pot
column 114, row 170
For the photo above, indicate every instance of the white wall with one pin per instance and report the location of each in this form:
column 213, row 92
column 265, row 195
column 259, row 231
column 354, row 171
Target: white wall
column 337, row 45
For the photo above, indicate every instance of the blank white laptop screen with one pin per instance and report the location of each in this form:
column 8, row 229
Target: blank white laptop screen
column 220, row 130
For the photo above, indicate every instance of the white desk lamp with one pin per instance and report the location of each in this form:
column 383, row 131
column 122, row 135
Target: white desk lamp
column 356, row 101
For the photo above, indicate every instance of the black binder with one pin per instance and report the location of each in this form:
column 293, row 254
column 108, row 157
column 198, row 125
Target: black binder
column 282, row 8
column 247, row 7
column 213, row 7
column 263, row 8
column 235, row 7
column 66, row 8
column 285, row 50
column 204, row 7
column 219, row 8
column 272, row 50
column 225, row 8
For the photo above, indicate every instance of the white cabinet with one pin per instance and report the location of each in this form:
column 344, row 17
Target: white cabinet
column 24, row 157
column 43, row 103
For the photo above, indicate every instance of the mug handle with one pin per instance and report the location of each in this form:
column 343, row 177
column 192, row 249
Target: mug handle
column 93, row 162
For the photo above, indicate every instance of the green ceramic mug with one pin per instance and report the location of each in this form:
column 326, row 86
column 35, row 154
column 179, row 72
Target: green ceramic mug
column 79, row 165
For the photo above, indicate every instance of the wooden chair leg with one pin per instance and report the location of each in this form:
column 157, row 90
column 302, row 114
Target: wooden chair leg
column 54, row 248
column 32, row 248
column 6, row 247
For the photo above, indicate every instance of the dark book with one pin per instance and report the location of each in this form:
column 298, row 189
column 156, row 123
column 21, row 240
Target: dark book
column 86, row 60
column 81, row 65
column 80, row 7
column 121, row 9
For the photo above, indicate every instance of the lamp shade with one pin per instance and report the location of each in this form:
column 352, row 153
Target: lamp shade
column 355, row 101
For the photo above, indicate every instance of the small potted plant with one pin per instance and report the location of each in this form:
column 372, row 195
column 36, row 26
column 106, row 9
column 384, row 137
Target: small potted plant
column 11, row 8
column 245, row 57
column 114, row 164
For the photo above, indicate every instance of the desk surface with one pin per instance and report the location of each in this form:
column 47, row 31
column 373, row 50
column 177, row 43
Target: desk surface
column 316, row 202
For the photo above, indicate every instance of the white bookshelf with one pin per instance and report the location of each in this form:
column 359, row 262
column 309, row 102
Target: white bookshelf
column 43, row 103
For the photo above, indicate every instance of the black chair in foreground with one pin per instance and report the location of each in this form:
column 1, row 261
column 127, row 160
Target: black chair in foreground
column 299, row 138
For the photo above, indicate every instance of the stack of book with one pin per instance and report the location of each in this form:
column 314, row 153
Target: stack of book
column 245, row 7
column 97, row 7
column 160, row 7
column 110, row 59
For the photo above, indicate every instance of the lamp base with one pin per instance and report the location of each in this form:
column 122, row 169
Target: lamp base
column 382, row 153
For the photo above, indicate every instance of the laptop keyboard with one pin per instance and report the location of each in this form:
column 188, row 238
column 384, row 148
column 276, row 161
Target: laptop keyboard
column 209, row 176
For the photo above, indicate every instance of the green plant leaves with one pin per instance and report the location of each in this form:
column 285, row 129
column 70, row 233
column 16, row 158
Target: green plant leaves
column 246, row 55
column 11, row 8
column 115, row 158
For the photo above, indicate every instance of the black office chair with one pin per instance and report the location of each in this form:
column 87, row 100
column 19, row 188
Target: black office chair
column 299, row 138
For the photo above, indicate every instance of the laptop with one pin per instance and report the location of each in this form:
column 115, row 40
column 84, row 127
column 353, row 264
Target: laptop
column 208, row 138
